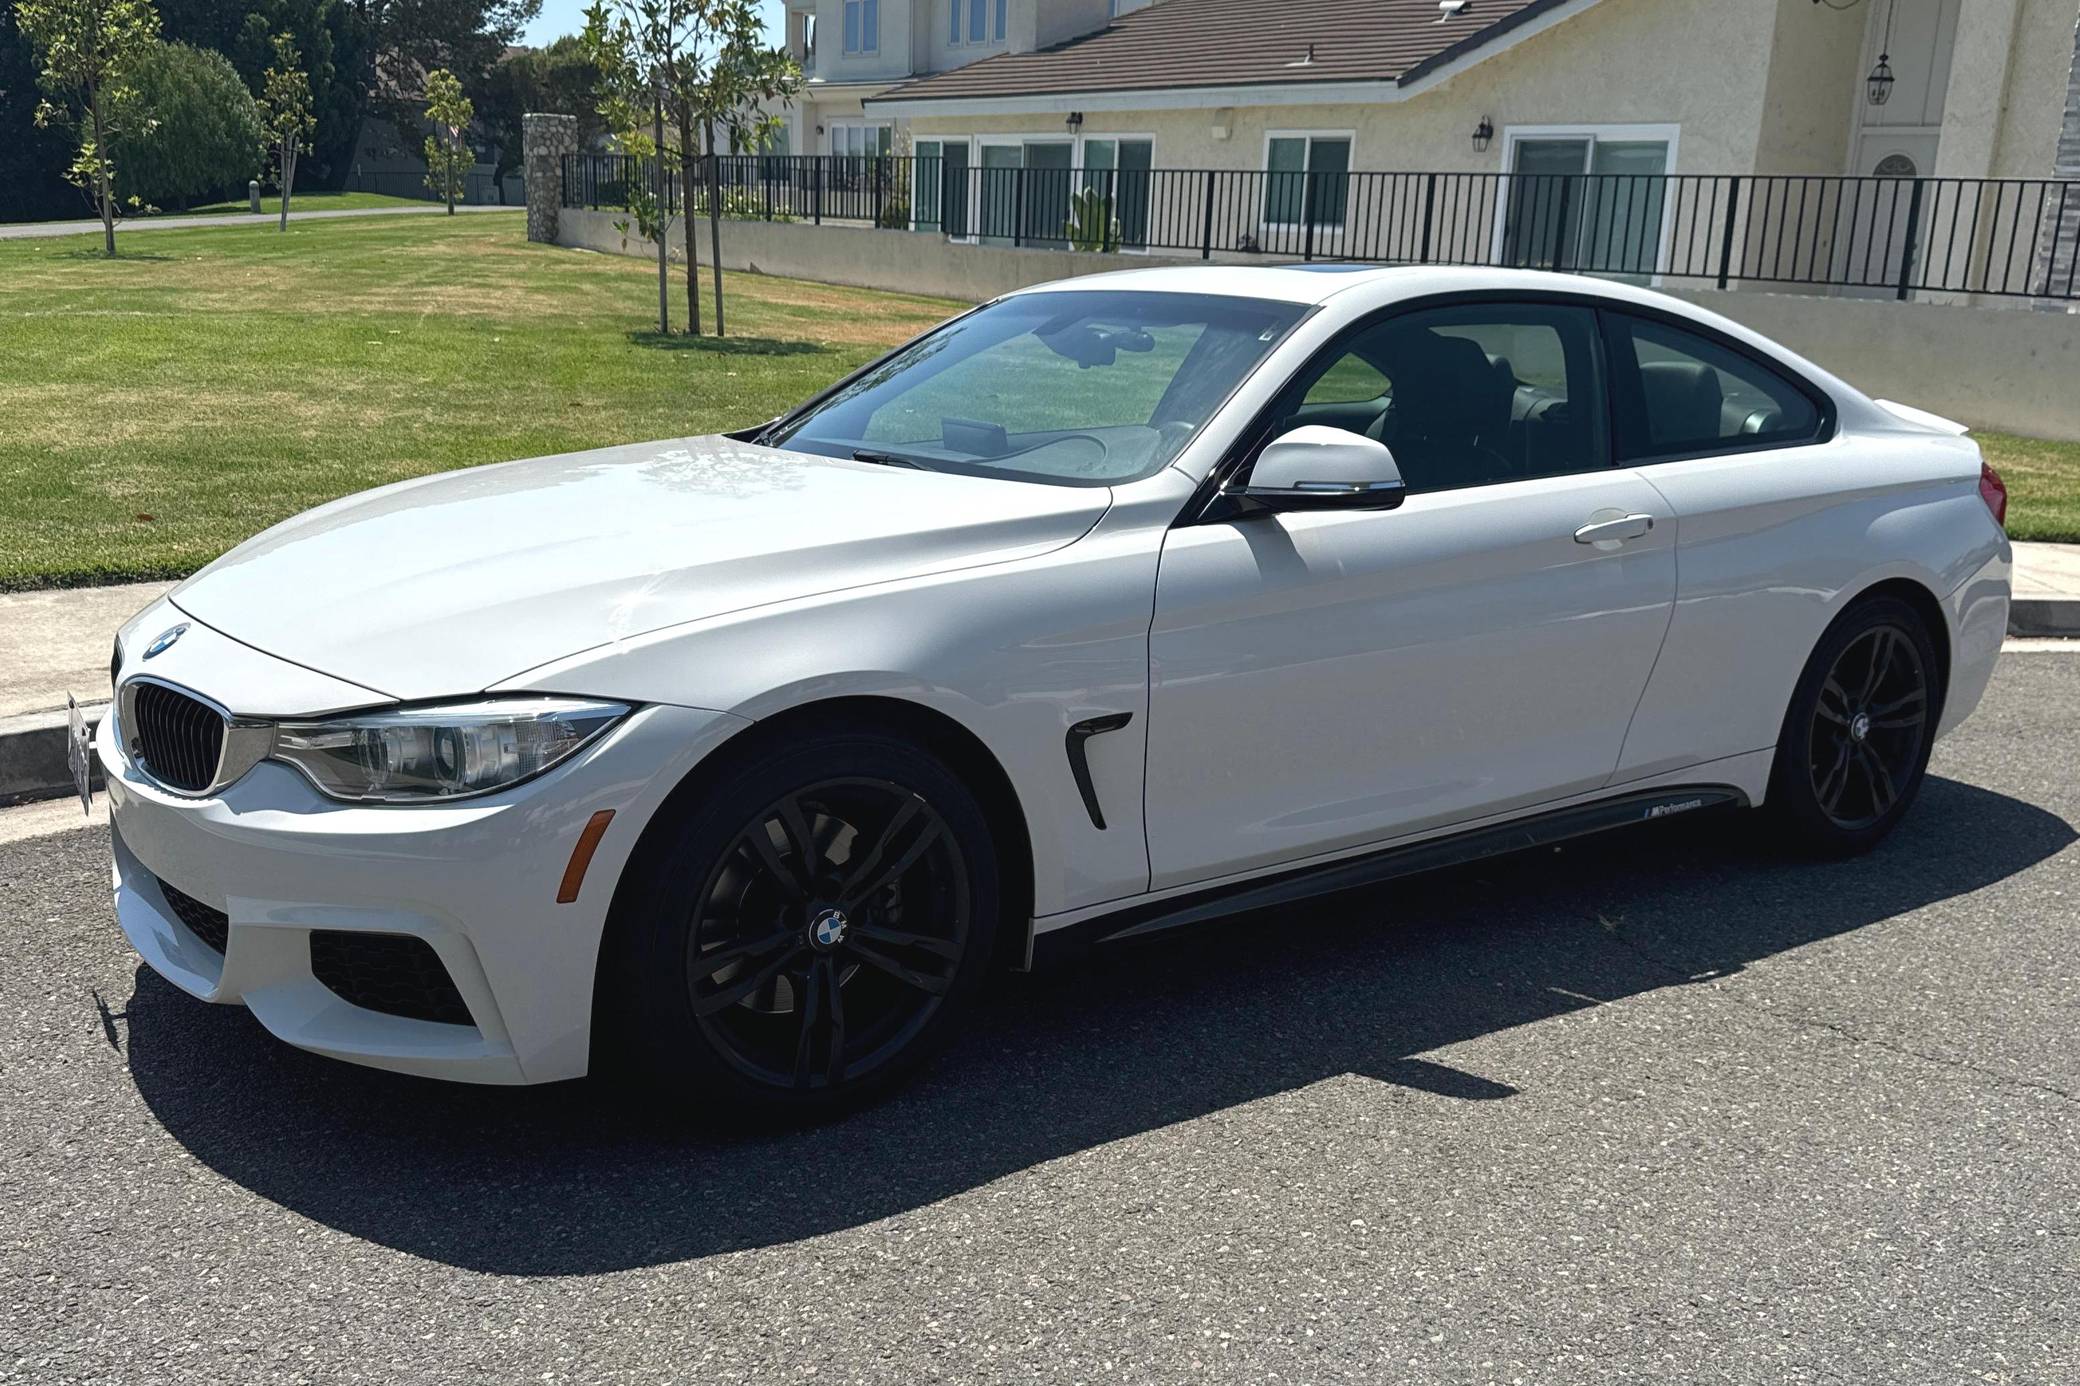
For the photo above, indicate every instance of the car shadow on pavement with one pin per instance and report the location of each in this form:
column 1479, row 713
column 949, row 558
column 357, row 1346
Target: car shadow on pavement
column 571, row 1180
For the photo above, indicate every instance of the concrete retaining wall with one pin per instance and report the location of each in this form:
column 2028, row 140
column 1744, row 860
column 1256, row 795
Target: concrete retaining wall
column 2001, row 368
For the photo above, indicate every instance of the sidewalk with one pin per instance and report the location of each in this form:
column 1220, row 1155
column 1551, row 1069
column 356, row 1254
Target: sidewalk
column 57, row 642
column 51, row 644
column 2047, row 590
column 31, row 230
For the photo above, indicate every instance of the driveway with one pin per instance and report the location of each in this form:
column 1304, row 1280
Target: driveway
column 1660, row 1107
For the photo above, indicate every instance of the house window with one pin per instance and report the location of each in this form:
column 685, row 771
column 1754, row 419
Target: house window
column 979, row 14
column 1307, row 180
column 1590, row 198
column 862, row 26
column 857, row 139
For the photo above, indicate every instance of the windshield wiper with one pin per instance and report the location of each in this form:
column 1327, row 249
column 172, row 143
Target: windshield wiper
column 891, row 459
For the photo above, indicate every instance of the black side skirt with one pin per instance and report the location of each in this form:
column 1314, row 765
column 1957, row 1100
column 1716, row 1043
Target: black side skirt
column 1285, row 887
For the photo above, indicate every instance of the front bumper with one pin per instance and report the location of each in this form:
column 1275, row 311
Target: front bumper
column 476, row 880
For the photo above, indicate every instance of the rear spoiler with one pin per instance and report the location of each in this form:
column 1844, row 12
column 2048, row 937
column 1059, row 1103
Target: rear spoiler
column 1922, row 417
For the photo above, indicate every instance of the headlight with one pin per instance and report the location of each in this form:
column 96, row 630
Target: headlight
column 422, row 754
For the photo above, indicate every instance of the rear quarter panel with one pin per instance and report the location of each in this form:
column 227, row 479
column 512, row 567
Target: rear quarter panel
column 1773, row 545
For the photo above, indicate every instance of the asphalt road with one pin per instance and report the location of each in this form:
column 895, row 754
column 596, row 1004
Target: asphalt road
column 1660, row 1108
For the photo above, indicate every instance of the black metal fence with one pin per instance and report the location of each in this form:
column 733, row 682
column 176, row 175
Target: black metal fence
column 1881, row 236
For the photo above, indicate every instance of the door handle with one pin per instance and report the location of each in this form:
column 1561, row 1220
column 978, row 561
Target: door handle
column 1614, row 531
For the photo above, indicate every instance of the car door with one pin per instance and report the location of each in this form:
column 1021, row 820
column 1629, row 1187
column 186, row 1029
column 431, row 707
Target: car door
column 1322, row 679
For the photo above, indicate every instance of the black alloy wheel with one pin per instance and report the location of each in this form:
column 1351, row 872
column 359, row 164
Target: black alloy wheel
column 804, row 928
column 1857, row 736
column 829, row 933
column 1870, row 727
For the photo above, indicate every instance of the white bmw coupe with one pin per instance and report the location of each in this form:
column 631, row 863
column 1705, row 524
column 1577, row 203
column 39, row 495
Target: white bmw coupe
column 1108, row 606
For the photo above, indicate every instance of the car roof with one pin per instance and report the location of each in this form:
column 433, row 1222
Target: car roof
column 1319, row 281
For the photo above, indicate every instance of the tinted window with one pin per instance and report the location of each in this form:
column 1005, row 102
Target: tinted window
column 1465, row 396
column 1066, row 387
column 1679, row 392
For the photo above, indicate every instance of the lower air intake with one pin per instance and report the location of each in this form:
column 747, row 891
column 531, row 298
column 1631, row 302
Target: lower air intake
column 395, row 974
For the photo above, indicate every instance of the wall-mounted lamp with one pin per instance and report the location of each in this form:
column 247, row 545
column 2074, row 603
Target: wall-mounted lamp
column 1075, row 120
column 1482, row 134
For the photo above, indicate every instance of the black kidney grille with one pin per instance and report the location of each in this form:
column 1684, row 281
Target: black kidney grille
column 180, row 739
column 396, row 974
column 211, row 926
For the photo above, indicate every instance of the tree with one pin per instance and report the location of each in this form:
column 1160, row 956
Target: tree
column 397, row 40
column 449, row 157
column 286, row 102
column 32, row 161
column 559, row 79
column 746, row 76
column 692, row 71
column 628, row 48
column 324, row 33
column 87, row 49
column 205, row 133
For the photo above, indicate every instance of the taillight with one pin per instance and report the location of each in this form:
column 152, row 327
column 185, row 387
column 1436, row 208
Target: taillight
column 1994, row 492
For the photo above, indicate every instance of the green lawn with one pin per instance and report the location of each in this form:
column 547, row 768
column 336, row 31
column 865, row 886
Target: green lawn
column 2043, row 482
column 158, row 408
column 307, row 202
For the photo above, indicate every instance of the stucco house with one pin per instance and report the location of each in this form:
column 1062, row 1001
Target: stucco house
column 1299, row 91
column 851, row 51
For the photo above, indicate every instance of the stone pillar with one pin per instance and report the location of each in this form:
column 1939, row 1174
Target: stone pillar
column 545, row 140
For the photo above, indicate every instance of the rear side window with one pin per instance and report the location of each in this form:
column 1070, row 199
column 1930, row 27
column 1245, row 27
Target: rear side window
column 1678, row 392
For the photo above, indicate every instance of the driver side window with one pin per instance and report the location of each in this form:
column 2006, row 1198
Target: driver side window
column 1467, row 395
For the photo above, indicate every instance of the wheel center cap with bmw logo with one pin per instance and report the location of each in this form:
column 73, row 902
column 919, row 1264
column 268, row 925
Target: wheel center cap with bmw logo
column 827, row 930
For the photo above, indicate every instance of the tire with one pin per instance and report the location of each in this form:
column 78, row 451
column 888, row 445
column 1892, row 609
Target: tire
column 807, row 932
column 1857, row 735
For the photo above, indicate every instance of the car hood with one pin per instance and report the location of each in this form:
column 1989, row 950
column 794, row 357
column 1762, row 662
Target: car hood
column 448, row 584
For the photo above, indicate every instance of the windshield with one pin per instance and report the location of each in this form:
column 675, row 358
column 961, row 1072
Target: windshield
column 1073, row 388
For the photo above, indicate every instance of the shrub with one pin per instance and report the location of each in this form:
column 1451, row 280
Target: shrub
column 194, row 128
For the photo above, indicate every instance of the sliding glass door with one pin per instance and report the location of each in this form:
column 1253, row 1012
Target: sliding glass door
column 1586, row 201
column 1025, row 192
column 1118, row 171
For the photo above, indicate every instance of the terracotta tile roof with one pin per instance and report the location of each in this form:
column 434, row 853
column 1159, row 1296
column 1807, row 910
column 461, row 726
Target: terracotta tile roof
column 1206, row 43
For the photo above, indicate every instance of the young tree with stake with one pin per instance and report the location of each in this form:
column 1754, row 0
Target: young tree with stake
column 744, row 75
column 448, row 155
column 691, row 70
column 625, row 46
column 86, row 49
column 286, row 101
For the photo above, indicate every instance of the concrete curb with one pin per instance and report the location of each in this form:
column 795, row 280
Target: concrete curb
column 33, row 761
column 2057, row 616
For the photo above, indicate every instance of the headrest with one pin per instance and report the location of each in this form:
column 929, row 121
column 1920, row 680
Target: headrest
column 1446, row 386
column 1683, row 399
